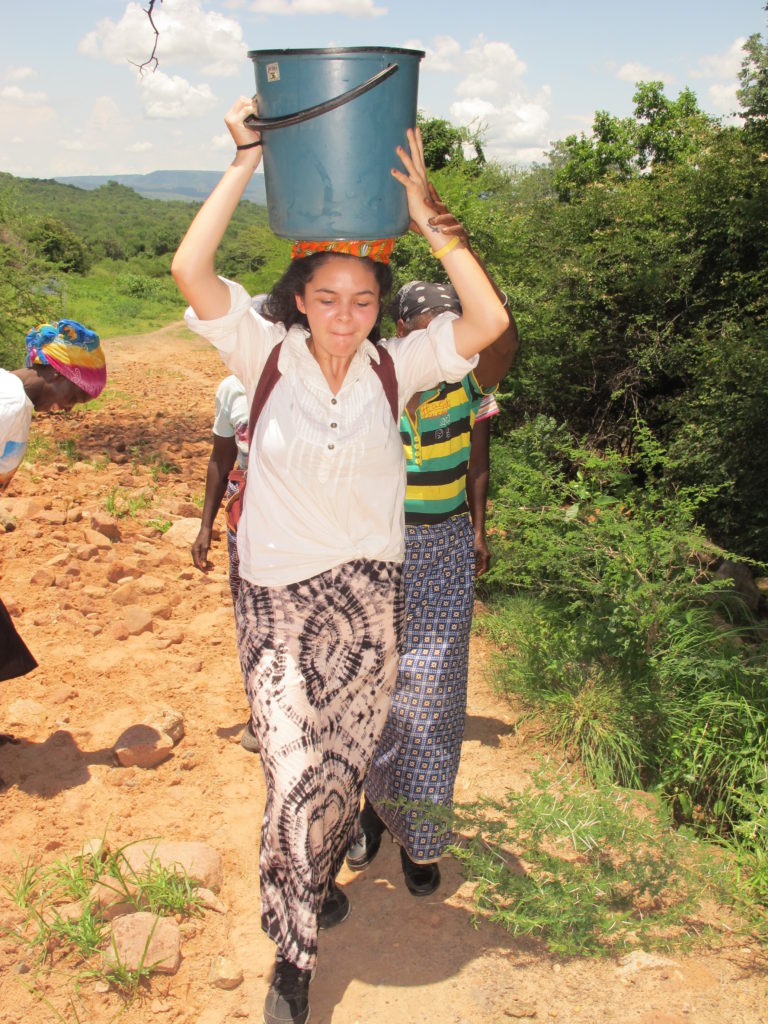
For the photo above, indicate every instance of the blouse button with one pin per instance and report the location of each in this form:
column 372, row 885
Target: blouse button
column 331, row 447
column 334, row 401
column 334, row 424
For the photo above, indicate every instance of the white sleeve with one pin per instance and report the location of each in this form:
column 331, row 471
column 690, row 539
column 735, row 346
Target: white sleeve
column 227, row 393
column 425, row 358
column 242, row 336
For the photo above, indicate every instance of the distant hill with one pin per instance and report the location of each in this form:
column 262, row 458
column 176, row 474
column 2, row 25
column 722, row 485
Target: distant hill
column 186, row 186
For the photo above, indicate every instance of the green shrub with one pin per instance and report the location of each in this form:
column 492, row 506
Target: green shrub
column 587, row 871
column 615, row 630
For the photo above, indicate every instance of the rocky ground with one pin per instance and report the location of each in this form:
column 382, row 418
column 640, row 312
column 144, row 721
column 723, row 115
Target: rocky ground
column 127, row 633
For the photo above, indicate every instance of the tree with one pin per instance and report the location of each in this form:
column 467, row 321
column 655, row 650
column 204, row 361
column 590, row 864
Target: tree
column 608, row 152
column 661, row 131
column 668, row 131
column 444, row 143
column 56, row 244
column 23, row 301
column 753, row 93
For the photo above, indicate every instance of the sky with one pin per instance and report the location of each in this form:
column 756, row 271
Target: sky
column 73, row 101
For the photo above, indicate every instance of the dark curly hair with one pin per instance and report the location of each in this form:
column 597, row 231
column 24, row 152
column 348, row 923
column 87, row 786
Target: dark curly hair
column 280, row 305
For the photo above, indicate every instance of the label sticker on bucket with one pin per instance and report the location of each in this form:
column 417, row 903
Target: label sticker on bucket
column 273, row 72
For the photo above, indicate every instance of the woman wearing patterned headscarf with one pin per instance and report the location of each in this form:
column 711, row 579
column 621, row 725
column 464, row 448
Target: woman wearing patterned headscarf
column 65, row 365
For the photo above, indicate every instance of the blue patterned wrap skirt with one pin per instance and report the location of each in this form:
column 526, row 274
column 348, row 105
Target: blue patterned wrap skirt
column 417, row 757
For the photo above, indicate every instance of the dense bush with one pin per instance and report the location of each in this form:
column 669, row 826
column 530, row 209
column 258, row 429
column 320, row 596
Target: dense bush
column 651, row 670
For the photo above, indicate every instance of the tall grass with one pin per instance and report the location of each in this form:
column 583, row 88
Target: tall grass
column 613, row 628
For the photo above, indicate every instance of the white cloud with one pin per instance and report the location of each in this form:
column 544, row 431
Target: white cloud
column 352, row 8
column 492, row 96
column 491, row 68
column 585, row 121
column 171, row 96
column 101, row 133
column 472, row 111
column 222, row 142
column 140, row 147
column 19, row 74
column 633, row 71
column 88, row 141
column 105, row 116
column 444, row 55
column 723, row 97
column 186, row 33
column 13, row 94
column 721, row 65
column 528, row 121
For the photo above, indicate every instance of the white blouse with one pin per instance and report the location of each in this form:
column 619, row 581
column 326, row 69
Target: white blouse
column 15, row 423
column 326, row 473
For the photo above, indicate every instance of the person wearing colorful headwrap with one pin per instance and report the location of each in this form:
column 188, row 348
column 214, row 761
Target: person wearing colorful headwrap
column 417, row 758
column 74, row 352
column 65, row 365
column 320, row 539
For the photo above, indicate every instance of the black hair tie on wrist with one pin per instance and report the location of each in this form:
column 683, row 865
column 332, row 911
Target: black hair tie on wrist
column 249, row 145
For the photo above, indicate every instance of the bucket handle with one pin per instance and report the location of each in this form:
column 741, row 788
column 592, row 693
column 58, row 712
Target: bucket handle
column 263, row 123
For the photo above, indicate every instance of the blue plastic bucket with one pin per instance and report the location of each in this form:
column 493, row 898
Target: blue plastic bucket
column 330, row 122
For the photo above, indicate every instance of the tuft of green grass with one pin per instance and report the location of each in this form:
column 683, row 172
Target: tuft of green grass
column 109, row 396
column 39, row 448
column 588, row 871
column 127, row 980
column 22, row 887
column 158, row 464
column 80, row 940
column 121, row 503
column 68, row 448
column 163, row 525
column 81, row 936
column 162, row 466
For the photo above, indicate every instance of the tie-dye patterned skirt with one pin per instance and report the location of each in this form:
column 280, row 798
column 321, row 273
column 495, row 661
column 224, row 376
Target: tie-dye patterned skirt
column 319, row 660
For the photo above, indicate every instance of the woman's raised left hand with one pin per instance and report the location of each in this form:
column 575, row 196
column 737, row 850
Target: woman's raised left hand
column 414, row 180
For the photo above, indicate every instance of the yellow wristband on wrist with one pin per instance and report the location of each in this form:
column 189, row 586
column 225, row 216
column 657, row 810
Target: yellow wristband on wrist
column 448, row 247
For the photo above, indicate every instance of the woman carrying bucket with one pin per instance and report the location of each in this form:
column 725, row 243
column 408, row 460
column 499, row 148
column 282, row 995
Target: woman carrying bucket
column 321, row 538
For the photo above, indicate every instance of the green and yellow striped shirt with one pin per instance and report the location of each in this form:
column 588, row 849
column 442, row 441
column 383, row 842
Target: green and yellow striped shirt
column 437, row 441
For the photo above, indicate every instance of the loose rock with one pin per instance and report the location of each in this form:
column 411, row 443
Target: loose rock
column 142, row 746
column 145, row 939
column 224, row 973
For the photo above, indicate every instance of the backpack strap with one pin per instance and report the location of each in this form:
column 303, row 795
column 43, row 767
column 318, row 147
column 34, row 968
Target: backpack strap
column 270, row 375
column 385, row 371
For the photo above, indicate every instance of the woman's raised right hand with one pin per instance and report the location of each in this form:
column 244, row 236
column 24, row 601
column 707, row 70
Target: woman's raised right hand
column 234, row 119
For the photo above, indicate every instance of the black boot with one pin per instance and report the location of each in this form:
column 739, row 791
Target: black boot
column 287, row 1001
column 420, row 879
column 335, row 908
column 366, row 846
